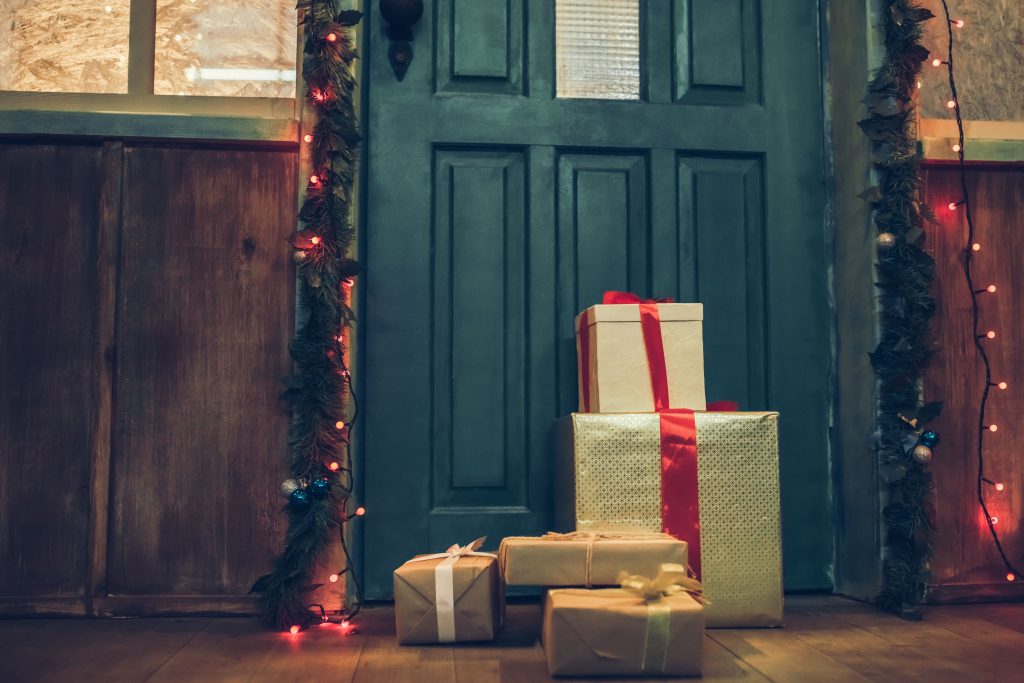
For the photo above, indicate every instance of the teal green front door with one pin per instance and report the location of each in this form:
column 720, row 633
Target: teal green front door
column 496, row 210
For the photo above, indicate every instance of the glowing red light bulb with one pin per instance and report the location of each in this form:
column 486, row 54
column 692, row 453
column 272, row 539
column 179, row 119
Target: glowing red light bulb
column 1010, row 577
column 344, row 623
column 991, row 334
column 952, row 205
column 293, row 630
column 331, row 37
column 956, row 147
column 314, row 240
column 307, row 138
column 959, row 23
column 991, row 289
column 339, row 424
column 993, row 428
column 314, row 179
column 951, row 104
column 1002, row 385
column 936, row 62
column 334, row 467
column 995, row 520
column 333, row 578
column 999, row 486
column 360, row 511
column 976, row 247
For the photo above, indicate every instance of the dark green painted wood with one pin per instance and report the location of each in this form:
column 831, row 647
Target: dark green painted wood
column 496, row 212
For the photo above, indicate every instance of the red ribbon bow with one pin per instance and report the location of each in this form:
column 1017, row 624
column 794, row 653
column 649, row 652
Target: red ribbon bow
column 631, row 298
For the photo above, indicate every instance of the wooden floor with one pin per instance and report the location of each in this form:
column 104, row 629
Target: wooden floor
column 826, row 639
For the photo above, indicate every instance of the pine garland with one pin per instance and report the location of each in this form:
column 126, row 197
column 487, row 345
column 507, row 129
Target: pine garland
column 319, row 439
column 905, row 272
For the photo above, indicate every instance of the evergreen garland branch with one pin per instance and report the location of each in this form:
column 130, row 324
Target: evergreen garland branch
column 320, row 430
column 905, row 273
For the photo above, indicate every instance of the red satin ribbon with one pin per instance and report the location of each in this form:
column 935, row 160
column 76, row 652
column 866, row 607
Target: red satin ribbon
column 680, row 503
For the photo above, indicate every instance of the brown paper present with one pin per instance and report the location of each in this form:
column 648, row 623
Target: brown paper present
column 608, row 478
column 613, row 632
column 585, row 559
column 618, row 376
column 474, row 597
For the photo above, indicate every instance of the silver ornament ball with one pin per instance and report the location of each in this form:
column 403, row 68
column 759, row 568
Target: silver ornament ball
column 289, row 486
column 886, row 240
column 922, row 454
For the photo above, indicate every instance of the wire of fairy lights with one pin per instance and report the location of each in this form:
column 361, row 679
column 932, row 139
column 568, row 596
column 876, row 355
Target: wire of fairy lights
column 971, row 249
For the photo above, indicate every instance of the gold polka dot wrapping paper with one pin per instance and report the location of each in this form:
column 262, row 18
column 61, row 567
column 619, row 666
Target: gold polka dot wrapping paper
column 608, row 478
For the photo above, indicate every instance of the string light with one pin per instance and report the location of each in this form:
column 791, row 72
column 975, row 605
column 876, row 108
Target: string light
column 991, row 334
column 334, row 467
column 937, row 62
column 333, row 578
column 954, row 104
column 314, row 179
column 957, row 147
column 953, row 206
column 294, row 630
column 993, row 428
column 314, row 240
column 307, row 138
column 340, row 424
column 360, row 511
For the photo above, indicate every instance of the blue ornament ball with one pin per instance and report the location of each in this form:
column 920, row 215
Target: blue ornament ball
column 929, row 439
column 300, row 497
column 320, row 487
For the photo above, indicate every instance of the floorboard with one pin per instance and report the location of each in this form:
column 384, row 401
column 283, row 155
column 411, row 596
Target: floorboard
column 826, row 639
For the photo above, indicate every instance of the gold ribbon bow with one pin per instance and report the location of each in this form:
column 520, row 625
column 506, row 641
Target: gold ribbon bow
column 672, row 579
column 456, row 550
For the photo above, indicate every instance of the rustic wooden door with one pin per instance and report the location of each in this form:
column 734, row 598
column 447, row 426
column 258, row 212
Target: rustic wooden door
column 497, row 208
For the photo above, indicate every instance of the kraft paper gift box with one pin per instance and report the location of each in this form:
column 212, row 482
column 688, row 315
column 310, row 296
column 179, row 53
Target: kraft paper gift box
column 614, row 375
column 609, row 477
column 585, row 559
column 449, row 597
column 617, row 632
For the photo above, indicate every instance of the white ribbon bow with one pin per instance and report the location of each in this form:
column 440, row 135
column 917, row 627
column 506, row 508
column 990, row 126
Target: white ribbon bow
column 444, row 584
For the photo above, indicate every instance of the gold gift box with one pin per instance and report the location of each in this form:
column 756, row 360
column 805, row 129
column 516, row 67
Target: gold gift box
column 612, row 632
column 479, row 600
column 608, row 478
column 585, row 559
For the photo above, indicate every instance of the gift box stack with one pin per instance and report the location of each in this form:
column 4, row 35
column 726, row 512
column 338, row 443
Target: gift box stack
column 667, row 511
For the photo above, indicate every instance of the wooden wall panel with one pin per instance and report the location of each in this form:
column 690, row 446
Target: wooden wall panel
column 204, row 320
column 49, row 232
column 965, row 563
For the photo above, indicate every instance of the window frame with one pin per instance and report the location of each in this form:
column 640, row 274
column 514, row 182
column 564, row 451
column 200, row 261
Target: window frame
column 141, row 113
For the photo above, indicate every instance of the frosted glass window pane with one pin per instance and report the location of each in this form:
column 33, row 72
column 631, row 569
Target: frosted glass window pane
column 597, row 49
column 242, row 48
column 64, row 45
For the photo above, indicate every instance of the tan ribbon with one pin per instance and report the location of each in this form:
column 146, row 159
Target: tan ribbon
column 444, row 584
column 672, row 579
column 590, row 537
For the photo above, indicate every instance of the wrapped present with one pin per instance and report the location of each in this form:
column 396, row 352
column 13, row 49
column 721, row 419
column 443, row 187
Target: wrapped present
column 710, row 479
column 449, row 597
column 640, row 355
column 647, row 627
column 585, row 559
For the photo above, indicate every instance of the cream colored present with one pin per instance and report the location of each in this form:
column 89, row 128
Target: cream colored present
column 608, row 478
column 619, row 377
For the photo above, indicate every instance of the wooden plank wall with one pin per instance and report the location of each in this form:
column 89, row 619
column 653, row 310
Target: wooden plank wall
column 965, row 564
column 145, row 313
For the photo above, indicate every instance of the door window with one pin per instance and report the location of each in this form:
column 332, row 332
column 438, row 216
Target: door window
column 597, row 49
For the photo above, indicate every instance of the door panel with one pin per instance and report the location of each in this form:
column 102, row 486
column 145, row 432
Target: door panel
column 496, row 212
